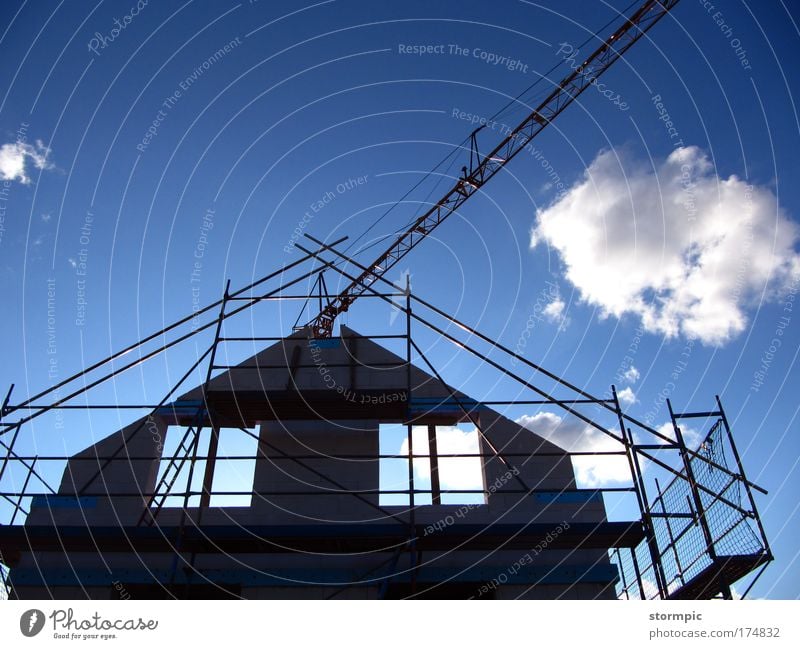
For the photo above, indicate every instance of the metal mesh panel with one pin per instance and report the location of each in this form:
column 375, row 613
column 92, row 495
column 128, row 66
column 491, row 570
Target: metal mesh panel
column 683, row 551
column 733, row 533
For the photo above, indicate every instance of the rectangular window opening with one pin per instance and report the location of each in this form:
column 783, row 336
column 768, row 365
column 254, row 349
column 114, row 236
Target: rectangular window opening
column 465, row 473
column 235, row 468
column 434, row 475
column 173, row 470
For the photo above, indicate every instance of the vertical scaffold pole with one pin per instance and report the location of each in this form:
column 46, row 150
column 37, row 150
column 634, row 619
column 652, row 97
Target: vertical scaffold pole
column 412, row 514
column 641, row 498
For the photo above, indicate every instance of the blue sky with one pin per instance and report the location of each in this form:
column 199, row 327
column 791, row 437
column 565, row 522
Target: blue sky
column 134, row 158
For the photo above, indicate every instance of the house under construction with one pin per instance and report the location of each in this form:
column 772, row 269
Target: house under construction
column 141, row 511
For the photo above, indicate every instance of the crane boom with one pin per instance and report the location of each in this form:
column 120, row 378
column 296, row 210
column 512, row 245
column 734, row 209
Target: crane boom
column 647, row 15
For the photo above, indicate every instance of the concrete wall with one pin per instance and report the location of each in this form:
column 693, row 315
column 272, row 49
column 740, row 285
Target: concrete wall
column 325, row 441
column 88, row 472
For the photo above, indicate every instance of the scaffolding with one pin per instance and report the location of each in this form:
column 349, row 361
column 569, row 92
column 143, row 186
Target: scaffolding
column 706, row 528
column 694, row 538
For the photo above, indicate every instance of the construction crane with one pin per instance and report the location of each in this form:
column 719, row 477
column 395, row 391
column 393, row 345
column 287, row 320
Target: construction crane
column 485, row 167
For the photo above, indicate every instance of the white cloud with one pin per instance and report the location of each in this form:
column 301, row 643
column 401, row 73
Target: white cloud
column 676, row 246
column 626, row 397
column 555, row 312
column 631, row 375
column 555, row 309
column 691, row 437
column 15, row 157
column 573, row 435
column 454, row 473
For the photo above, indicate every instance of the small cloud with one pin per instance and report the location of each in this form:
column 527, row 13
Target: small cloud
column 573, row 435
column 631, row 375
column 46, row 216
column 626, row 397
column 72, row 262
column 691, row 437
column 555, row 313
column 16, row 156
column 554, row 310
